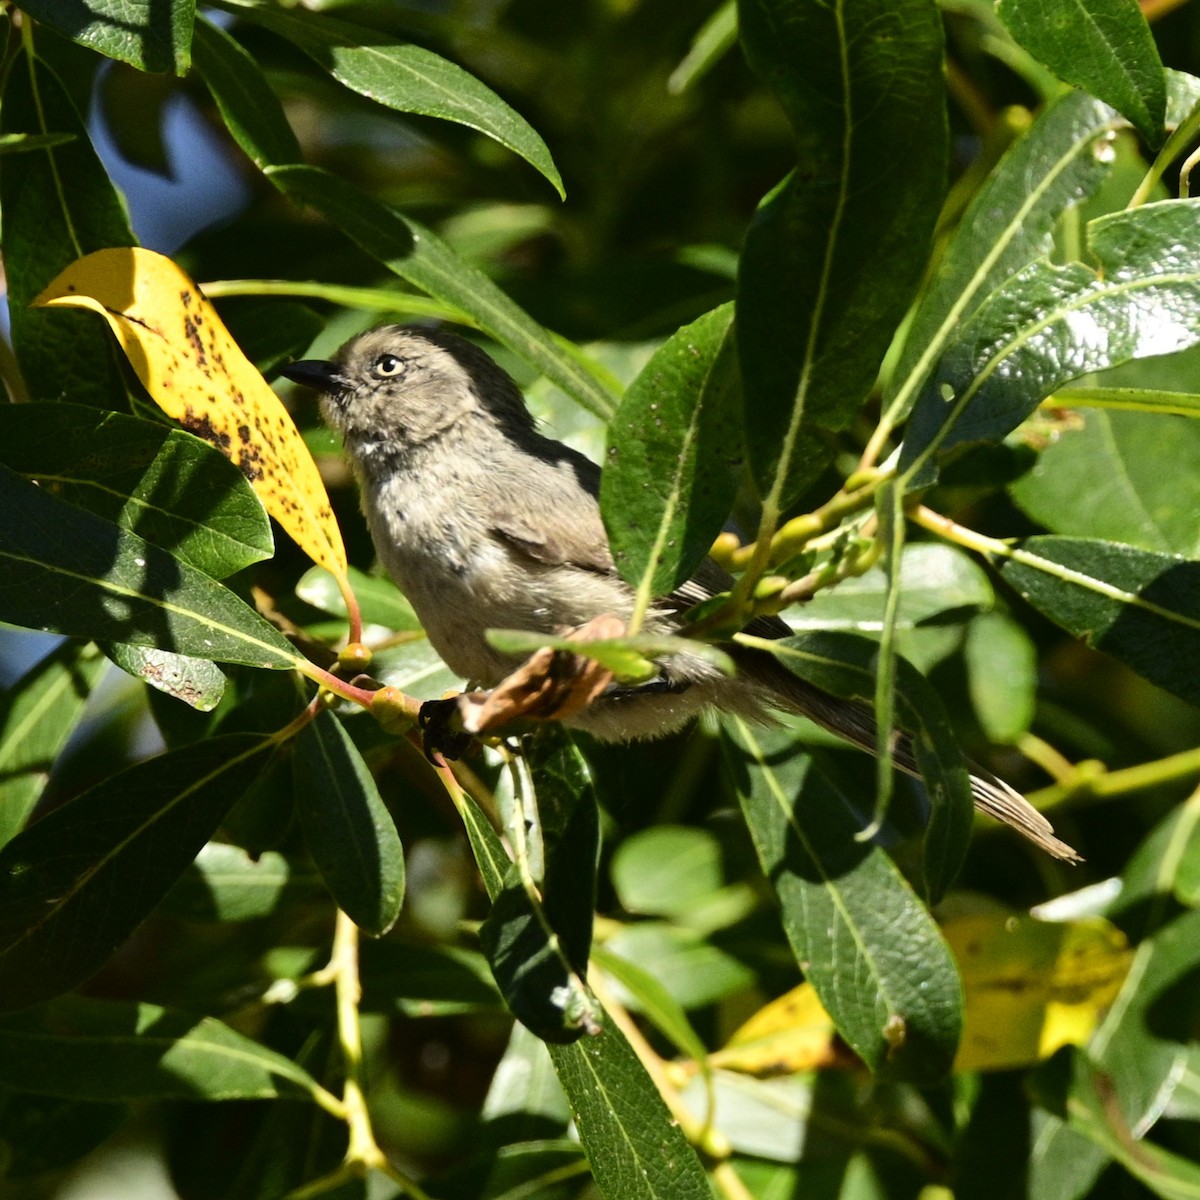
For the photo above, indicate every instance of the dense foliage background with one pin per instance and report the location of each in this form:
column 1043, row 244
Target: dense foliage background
column 910, row 290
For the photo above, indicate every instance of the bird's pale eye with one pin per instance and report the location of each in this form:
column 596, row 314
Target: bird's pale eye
column 387, row 365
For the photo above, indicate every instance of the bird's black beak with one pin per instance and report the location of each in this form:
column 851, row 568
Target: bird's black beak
column 315, row 373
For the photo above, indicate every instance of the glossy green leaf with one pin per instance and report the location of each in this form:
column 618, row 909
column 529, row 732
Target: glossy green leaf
column 1061, row 160
column 68, row 571
column 667, row 870
column 165, row 485
column 538, row 935
column 226, row 884
column 845, row 665
column 693, row 969
column 37, row 715
column 1141, row 608
column 196, row 681
column 149, row 35
column 1050, row 324
column 935, row 581
column 832, row 259
column 347, row 827
column 648, row 995
column 380, row 600
column 248, row 105
column 75, row 885
column 419, row 256
column 871, row 950
column 674, row 457
column 90, row 1049
column 1137, row 399
column 634, row 1146
column 44, row 226
column 636, row 1149
column 1124, row 476
column 1001, row 662
column 404, row 77
column 1100, row 46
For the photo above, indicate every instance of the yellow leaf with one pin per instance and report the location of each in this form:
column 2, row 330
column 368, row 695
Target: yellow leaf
column 196, row 373
column 792, row 1033
column 1032, row 986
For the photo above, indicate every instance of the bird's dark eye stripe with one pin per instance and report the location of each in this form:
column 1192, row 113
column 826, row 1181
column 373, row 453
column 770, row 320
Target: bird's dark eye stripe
column 388, row 364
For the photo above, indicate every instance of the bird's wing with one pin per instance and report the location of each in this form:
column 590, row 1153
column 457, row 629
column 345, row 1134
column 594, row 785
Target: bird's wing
column 558, row 521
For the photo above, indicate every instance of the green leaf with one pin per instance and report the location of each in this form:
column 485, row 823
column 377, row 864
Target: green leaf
column 147, row 34
column 1050, row 324
column 248, row 105
column 347, row 827
column 1001, row 662
column 167, row 486
column 196, row 681
column 42, row 1133
column 1100, row 46
column 404, row 77
column 666, row 871
column 1141, row 608
column 538, row 935
column 871, row 950
column 674, row 457
column 44, row 226
column 935, row 581
column 424, row 260
column 226, row 884
column 76, row 884
column 1062, row 159
column 636, row 1149
column 426, row 980
column 845, row 665
column 37, row 715
column 1123, row 476
column 381, row 601
column 68, row 571
column 88, row 1049
column 833, row 257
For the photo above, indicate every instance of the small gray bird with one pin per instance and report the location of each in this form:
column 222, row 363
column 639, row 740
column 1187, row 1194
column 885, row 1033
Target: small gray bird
column 485, row 523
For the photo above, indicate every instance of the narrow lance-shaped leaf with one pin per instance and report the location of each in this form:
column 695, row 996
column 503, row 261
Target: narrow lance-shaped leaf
column 1051, row 324
column 674, row 449
column 869, row 947
column 1101, row 46
column 421, row 257
column 539, row 933
column 65, row 570
column 163, row 484
column 1061, row 160
column 1140, row 607
column 37, row 715
column 91, row 1049
column 147, row 34
column 845, row 665
column 78, row 882
column 347, row 827
column 196, row 372
column 636, row 1149
column 198, row 682
column 834, row 255
column 404, row 77
column 43, row 227
column 255, row 118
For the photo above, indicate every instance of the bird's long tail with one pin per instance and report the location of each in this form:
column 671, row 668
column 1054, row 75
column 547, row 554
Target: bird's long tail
column 855, row 722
